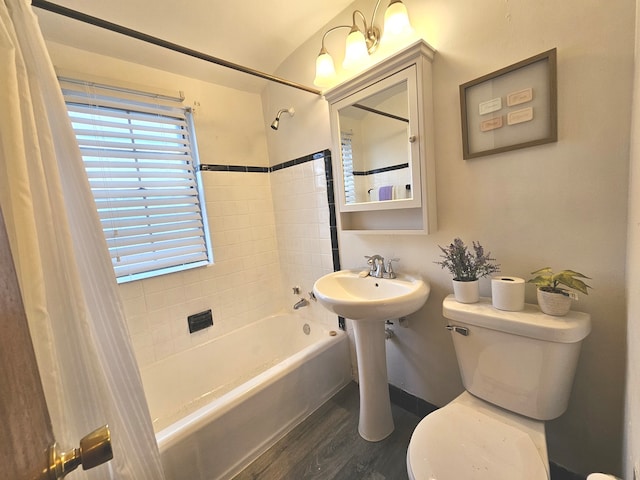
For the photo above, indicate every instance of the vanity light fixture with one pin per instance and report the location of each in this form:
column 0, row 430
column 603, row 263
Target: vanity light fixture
column 360, row 44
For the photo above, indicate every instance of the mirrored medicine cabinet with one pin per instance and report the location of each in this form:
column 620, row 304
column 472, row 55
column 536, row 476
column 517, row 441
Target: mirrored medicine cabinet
column 382, row 134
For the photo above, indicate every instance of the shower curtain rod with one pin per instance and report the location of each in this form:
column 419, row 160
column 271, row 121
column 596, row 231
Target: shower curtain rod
column 98, row 22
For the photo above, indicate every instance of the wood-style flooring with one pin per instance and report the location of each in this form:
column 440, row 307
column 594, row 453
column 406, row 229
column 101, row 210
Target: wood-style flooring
column 327, row 446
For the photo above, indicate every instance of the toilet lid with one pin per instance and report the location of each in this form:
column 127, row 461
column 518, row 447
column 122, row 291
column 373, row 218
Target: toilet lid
column 458, row 442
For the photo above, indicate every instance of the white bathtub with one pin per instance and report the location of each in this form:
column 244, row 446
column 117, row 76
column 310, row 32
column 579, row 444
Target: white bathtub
column 220, row 405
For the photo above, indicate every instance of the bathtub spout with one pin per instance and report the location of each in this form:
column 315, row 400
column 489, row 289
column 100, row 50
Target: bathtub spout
column 303, row 302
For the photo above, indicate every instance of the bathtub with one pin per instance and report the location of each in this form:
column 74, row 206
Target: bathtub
column 218, row 406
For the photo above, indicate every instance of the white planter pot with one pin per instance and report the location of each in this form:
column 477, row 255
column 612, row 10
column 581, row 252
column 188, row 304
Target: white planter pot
column 552, row 303
column 466, row 292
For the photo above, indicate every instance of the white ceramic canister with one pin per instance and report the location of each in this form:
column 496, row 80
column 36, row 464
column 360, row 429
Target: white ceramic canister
column 466, row 292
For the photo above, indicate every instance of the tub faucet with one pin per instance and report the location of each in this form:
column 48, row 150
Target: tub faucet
column 303, row 302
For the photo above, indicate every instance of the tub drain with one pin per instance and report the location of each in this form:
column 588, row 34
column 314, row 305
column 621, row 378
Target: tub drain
column 306, row 329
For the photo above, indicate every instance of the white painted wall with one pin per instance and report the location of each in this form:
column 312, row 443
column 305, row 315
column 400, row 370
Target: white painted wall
column 632, row 400
column 562, row 204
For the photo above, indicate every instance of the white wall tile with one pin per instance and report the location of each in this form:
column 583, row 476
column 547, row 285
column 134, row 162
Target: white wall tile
column 134, row 306
column 268, row 234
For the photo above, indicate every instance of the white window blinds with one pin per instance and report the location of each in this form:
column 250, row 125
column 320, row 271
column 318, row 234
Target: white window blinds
column 347, row 167
column 141, row 160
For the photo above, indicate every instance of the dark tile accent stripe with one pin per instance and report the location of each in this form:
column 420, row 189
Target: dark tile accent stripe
column 214, row 167
column 204, row 167
column 342, row 324
column 400, row 166
column 410, row 402
column 333, row 223
column 561, row 473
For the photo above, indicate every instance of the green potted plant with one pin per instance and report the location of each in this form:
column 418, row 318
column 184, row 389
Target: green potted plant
column 554, row 299
column 467, row 268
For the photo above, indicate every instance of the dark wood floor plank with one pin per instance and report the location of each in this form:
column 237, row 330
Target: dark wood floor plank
column 327, row 446
column 303, row 453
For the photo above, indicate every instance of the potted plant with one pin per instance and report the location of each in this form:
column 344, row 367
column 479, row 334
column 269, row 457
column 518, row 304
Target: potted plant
column 467, row 268
column 552, row 298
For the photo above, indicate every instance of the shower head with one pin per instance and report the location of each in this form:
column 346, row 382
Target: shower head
column 276, row 122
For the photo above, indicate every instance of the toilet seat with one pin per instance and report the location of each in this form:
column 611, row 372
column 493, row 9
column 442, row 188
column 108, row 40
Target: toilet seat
column 473, row 440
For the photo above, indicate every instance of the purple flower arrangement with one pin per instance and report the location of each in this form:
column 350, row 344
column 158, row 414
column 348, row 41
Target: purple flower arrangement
column 466, row 266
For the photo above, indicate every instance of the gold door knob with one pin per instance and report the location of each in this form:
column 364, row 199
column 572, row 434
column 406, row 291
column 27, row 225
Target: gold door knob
column 95, row 449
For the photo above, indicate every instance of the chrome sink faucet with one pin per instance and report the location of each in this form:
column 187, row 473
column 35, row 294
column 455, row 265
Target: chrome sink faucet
column 377, row 267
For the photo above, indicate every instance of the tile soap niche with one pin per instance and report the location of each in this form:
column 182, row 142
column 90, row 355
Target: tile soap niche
column 382, row 131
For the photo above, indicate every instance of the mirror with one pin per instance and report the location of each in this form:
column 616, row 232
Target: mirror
column 380, row 166
column 375, row 149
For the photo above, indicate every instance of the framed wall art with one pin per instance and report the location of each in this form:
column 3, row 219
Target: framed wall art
column 511, row 108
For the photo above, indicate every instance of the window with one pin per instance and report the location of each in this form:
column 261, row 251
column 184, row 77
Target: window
column 141, row 160
column 347, row 167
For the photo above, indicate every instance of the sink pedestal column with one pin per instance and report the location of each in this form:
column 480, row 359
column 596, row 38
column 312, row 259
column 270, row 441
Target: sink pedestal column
column 376, row 421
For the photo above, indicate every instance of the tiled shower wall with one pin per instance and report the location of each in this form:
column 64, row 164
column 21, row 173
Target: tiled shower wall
column 242, row 285
column 270, row 230
column 307, row 242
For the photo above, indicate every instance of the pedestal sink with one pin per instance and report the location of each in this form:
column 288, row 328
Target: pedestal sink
column 369, row 301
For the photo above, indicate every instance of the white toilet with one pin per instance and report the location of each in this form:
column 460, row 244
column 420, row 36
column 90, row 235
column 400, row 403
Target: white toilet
column 517, row 369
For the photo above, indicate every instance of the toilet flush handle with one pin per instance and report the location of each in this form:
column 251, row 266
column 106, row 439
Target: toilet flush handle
column 461, row 330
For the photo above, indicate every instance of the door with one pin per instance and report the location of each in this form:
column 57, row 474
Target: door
column 26, row 432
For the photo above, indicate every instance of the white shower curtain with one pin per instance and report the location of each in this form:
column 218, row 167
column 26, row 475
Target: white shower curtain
column 84, row 354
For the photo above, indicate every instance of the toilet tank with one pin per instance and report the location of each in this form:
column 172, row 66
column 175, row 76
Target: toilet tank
column 522, row 361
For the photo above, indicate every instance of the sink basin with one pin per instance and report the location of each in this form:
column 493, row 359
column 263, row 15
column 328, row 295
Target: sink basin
column 370, row 301
column 349, row 295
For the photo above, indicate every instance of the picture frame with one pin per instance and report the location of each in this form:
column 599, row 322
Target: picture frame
column 512, row 108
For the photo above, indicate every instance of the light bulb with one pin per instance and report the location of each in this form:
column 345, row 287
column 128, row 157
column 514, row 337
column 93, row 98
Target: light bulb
column 355, row 51
column 325, row 70
column 396, row 19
